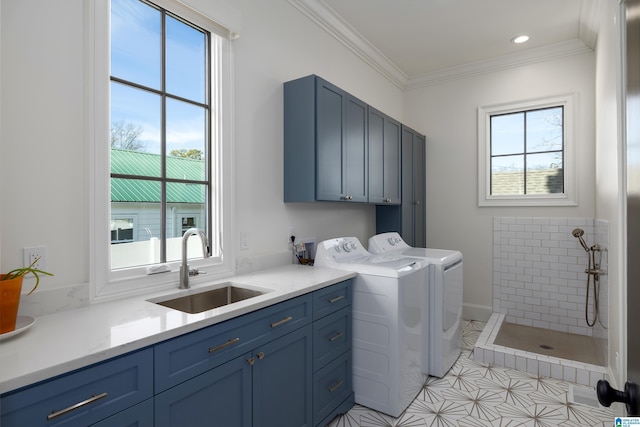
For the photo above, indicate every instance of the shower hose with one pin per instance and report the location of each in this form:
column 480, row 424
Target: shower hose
column 596, row 283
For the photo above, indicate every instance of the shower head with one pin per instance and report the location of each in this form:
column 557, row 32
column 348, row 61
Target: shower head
column 578, row 233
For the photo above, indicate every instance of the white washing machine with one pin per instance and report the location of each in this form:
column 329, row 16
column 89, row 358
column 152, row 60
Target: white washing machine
column 443, row 345
column 388, row 318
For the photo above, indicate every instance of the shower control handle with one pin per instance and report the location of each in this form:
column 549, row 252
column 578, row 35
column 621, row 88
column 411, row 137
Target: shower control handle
column 607, row 395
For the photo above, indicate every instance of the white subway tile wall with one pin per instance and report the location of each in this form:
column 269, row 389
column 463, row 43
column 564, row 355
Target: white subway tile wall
column 539, row 274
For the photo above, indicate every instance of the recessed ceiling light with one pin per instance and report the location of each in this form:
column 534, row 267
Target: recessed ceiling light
column 520, row 39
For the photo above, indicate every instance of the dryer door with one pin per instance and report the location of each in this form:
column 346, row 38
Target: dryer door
column 452, row 295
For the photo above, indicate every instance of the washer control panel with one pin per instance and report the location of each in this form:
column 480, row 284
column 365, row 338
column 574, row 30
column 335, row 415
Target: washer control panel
column 384, row 242
column 342, row 249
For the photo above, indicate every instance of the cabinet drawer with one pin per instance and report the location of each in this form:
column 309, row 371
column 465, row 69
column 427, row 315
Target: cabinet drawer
column 82, row 397
column 331, row 386
column 184, row 357
column 331, row 337
column 331, row 299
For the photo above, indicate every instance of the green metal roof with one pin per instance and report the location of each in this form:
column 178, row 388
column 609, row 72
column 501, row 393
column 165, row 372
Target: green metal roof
column 146, row 164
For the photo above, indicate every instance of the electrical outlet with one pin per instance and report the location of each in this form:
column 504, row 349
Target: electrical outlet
column 35, row 253
column 244, row 240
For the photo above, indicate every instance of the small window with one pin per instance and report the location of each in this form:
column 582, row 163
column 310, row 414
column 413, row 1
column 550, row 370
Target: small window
column 525, row 153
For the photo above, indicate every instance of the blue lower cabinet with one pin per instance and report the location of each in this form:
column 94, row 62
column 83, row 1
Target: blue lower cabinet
column 282, row 375
column 140, row 415
column 84, row 397
column 270, row 386
column 219, row 397
column 287, row 365
column 332, row 385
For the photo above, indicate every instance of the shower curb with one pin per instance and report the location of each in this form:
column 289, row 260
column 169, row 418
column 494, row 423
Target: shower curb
column 535, row 364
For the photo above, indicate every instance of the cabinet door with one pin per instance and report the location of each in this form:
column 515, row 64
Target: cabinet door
column 355, row 153
column 341, row 126
column 330, row 113
column 282, row 374
column 219, row 397
column 384, row 158
column 406, row 227
column 419, row 192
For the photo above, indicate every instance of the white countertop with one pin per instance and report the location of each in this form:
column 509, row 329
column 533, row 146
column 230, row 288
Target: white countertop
column 61, row 342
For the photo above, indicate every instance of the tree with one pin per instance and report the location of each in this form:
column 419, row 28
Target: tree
column 192, row 153
column 125, row 136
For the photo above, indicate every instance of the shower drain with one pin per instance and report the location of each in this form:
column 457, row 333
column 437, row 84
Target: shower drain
column 546, row 347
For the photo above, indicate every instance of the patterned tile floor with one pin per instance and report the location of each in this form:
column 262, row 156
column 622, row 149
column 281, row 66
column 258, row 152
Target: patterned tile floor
column 477, row 395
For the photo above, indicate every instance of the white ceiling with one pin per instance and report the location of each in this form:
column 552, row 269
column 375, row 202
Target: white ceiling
column 415, row 42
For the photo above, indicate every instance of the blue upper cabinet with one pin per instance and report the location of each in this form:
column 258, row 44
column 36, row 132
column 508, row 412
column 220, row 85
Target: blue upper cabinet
column 408, row 218
column 325, row 143
column 384, row 159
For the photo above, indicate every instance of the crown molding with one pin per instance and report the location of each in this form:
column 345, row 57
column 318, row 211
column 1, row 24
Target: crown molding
column 325, row 17
column 589, row 22
column 526, row 57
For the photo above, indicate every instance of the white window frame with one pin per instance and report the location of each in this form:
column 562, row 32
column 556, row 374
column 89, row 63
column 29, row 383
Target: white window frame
column 105, row 283
column 569, row 197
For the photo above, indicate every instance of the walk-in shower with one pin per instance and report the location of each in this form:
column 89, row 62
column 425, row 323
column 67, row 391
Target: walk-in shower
column 539, row 298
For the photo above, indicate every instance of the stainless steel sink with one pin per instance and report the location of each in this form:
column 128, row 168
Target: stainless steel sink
column 203, row 301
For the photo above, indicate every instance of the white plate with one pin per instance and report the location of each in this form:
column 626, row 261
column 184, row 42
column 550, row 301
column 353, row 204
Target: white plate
column 22, row 324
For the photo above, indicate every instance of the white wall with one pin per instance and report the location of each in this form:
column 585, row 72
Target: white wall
column 609, row 184
column 447, row 114
column 44, row 172
column 43, row 162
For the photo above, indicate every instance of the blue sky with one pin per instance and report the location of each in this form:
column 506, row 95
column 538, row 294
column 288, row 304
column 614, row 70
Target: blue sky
column 136, row 57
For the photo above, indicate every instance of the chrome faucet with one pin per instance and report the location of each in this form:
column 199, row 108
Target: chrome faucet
column 185, row 272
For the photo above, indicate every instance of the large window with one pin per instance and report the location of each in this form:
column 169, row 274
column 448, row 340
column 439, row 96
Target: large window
column 525, row 153
column 160, row 136
column 161, row 141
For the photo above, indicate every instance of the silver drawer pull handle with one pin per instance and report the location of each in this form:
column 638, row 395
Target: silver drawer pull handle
column 280, row 322
column 55, row 414
column 336, row 336
column 336, row 299
column 221, row 346
column 335, row 387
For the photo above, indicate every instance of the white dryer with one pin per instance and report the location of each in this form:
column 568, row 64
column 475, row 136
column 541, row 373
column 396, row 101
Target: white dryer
column 388, row 318
column 442, row 345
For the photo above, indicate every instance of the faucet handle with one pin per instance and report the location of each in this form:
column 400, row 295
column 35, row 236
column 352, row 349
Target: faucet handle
column 195, row 272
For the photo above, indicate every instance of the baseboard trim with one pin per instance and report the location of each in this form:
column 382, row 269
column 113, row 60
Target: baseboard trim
column 476, row 312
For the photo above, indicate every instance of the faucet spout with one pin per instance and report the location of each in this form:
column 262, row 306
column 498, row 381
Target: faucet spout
column 185, row 272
